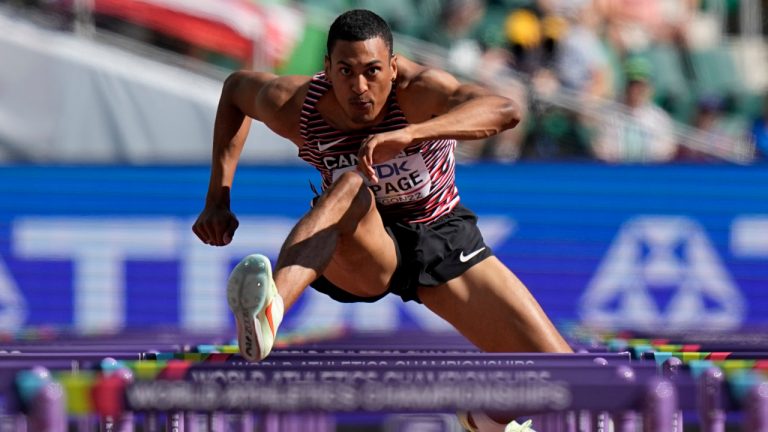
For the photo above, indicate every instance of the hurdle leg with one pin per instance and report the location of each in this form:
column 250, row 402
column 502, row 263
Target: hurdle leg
column 625, row 421
column 216, row 422
column 271, row 422
column 709, row 400
column 327, row 422
column 125, row 423
column 660, row 406
column 554, row 422
column 48, row 412
column 151, row 422
column 569, row 422
column 293, row 422
column 191, row 421
column 678, row 421
column 107, row 424
column 756, row 409
column 244, row 422
column 599, row 421
column 669, row 369
column 583, row 421
column 174, row 422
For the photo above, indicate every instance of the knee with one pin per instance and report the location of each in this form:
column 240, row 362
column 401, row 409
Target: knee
column 350, row 193
column 348, row 181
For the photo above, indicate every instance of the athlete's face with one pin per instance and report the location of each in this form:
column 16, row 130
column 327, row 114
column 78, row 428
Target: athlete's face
column 362, row 74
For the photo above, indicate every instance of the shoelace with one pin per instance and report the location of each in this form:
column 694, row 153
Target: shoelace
column 517, row 427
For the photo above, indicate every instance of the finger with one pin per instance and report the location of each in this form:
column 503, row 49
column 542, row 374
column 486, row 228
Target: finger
column 367, row 158
column 198, row 231
column 209, row 236
column 362, row 166
column 218, row 233
column 369, row 148
column 203, row 234
column 368, row 172
column 361, row 169
column 230, row 231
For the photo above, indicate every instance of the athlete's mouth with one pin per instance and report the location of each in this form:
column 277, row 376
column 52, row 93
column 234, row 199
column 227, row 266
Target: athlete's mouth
column 360, row 104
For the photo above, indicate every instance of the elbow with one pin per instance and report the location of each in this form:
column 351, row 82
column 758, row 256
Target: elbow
column 232, row 82
column 511, row 113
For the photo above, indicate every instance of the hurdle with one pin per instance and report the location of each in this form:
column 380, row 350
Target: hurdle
column 397, row 377
column 730, row 371
column 554, row 388
column 395, row 383
column 209, row 386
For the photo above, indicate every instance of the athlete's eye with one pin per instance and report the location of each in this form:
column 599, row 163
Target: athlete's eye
column 345, row 71
column 374, row 71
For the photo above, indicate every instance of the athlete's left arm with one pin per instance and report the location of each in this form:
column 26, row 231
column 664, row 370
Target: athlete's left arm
column 457, row 110
column 438, row 106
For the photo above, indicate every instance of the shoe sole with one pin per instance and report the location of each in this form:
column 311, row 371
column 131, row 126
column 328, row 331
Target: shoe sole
column 244, row 303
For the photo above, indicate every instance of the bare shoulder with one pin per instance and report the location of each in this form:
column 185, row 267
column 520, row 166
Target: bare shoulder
column 274, row 100
column 424, row 92
column 284, row 89
column 416, row 78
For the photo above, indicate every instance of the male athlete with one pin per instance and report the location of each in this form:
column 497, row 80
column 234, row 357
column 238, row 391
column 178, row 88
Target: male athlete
column 381, row 130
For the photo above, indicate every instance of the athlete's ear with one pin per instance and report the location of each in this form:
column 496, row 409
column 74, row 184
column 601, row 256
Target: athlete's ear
column 327, row 67
column 393, row 66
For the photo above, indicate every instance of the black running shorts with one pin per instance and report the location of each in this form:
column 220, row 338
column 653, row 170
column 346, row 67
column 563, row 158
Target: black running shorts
column 427, row 255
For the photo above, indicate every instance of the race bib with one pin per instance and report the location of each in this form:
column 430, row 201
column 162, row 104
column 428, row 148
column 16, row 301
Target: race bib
column 401, row 179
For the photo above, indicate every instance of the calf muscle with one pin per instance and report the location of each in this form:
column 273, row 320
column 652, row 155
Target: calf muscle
column 313, row 242
column 494, row 310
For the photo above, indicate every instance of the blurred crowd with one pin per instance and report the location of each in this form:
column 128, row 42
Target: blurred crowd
column 622, row 81
column 636, row 81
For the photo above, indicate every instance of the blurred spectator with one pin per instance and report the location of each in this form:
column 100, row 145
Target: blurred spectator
column 456, row 30
column 523, row 31
column 642, row 134
column 710, row 136
column 402, row 15
column 530, row 45
column 760, row 132
column 556, row 134
column 634, row 25
column 582, row 63
column 533, row 40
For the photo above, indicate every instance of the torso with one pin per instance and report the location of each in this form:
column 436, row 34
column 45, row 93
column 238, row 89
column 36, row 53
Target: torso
column 417, row 186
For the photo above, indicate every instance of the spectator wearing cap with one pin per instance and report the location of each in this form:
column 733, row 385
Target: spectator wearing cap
column 532, row 39
column 638, row 131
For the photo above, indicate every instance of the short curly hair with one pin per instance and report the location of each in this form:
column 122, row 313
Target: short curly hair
column 359, row 25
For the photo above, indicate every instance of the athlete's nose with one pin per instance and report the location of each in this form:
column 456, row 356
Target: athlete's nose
column 359, row 85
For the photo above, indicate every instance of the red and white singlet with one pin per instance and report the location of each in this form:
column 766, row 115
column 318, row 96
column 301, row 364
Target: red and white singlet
column 417, row 186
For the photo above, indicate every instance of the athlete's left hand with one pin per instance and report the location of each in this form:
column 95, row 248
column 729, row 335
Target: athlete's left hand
column 379, row 148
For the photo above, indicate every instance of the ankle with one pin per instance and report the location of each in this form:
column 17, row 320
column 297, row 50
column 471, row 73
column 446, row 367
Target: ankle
column 278, row 310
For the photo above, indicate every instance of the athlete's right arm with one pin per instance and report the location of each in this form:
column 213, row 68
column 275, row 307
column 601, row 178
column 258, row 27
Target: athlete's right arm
column 245, row 95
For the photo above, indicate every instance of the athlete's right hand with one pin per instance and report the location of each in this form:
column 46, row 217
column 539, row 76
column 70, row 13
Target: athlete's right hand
column 216, row 225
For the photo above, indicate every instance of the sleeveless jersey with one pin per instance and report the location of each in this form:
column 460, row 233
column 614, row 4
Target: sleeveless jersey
column 417, row 186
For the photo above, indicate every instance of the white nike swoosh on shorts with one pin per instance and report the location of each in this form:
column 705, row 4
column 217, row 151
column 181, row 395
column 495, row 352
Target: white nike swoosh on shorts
column 465, row 258
column 324, row 147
